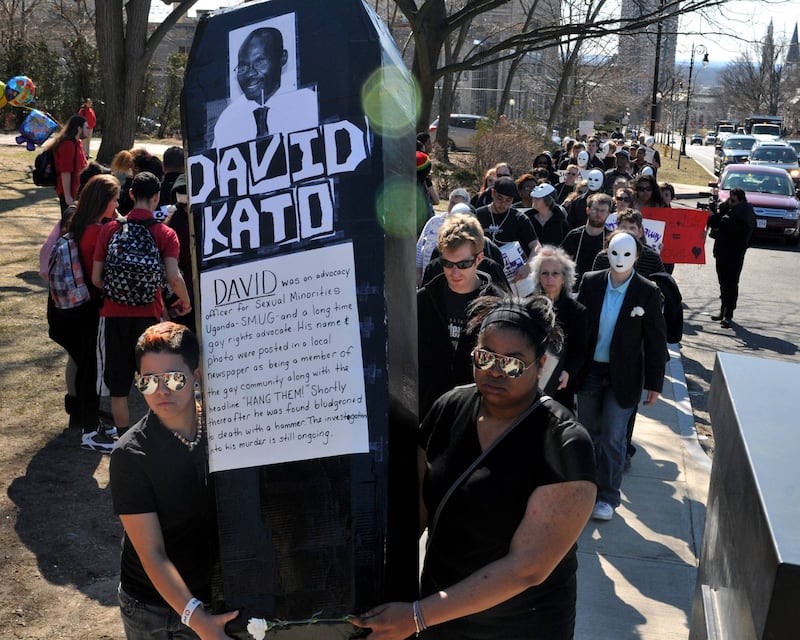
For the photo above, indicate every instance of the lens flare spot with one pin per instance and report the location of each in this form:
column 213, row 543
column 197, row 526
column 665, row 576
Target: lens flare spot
column 390, row 99
column 396, row 207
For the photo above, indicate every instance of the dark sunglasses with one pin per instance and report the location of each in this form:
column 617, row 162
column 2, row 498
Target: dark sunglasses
column 624, row 198
column 644, row 188
column 509, row 365
column 461, row 264
column 148, row 384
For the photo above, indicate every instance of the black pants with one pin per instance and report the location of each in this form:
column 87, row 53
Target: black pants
column 729, row 268
column 76, row 331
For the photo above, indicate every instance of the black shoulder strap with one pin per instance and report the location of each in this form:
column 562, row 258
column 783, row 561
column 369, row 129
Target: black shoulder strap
column 468, row 471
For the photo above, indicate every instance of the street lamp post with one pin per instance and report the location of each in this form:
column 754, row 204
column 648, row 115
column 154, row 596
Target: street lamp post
column 701, row 50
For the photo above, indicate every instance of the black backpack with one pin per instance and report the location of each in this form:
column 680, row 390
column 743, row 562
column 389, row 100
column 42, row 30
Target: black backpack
column 134, row 272
column 44, row 169
column 673, row 305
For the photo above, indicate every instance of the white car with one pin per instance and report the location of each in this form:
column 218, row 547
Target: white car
column 460, row 132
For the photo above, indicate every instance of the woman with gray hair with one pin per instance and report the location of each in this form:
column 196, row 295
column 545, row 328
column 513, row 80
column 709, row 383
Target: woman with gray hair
column 553, row 275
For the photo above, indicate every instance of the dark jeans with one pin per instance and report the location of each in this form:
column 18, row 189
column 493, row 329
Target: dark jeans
column 607, row 423
column 150, row 622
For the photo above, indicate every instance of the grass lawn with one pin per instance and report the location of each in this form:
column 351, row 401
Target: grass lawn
column 689, row 173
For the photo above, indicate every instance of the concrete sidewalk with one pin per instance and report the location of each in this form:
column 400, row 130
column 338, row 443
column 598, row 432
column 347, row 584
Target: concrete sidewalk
column 636, row 574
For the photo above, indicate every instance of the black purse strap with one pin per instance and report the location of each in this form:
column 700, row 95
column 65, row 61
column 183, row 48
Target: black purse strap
column 475, row 463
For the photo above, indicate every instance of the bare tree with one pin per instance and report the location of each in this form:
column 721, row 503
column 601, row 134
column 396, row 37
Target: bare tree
column 126, row 49
column 755, row 82
column 431, row 22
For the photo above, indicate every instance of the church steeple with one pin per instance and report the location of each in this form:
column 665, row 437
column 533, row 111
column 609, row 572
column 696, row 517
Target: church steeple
column 793, row 57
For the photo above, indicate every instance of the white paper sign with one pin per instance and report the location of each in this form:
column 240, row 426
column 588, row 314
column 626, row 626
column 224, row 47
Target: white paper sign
column 653, row 231
column 513, row 258
column 282, row 360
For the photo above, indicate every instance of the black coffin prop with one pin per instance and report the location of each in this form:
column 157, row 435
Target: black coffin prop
column 748, row 584
column 306, row 536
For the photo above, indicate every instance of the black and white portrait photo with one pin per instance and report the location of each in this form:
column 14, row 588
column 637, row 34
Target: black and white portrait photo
column 264, row 97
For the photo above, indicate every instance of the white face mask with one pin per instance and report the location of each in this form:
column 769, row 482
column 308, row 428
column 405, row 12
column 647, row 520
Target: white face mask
column 622, row 252
column 583, row 158
column 595, row 180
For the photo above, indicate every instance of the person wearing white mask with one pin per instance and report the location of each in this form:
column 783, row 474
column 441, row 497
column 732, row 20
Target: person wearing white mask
column 628, row 347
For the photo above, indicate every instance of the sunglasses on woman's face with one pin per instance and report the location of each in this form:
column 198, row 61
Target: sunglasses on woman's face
column 148, row 384
column 509, row 365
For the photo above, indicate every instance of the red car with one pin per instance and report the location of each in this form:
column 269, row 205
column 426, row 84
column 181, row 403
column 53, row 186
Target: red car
column 772, row 194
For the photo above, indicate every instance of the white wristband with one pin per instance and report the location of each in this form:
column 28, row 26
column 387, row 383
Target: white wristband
column 188, row 610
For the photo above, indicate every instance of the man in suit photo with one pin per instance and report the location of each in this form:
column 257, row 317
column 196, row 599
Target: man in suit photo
column 265, row 106
column 627, row 340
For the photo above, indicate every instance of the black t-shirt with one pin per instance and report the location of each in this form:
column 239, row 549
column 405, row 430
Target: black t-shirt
column 480, row 517
column 583, row 249
column 507, row 227
column 456, row 308
column 554, row 230
column 153, row 472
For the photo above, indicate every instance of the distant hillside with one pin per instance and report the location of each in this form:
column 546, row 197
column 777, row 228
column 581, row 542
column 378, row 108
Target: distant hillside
column 702, row 77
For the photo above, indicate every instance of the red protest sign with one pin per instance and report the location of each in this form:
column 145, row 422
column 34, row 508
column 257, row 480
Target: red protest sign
column 684, row 234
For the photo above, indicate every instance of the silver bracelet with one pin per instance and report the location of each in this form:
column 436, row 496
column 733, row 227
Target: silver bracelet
column 419, row 621
column 188, row 610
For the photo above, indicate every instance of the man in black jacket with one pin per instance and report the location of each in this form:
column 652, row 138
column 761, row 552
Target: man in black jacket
column 732, row 226
column 627, row 353
column 444, row 344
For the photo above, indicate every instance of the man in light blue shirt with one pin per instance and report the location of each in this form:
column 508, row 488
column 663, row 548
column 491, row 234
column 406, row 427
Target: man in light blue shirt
column 627, row 338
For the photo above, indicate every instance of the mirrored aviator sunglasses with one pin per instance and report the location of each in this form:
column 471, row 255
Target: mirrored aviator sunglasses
column 148, row 384
column 509, row 365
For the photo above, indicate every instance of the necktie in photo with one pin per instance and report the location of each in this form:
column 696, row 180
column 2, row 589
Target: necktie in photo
column 260, row 114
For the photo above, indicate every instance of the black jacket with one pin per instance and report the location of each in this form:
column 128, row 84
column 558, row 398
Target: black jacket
column 639, row 342
column 442, row 367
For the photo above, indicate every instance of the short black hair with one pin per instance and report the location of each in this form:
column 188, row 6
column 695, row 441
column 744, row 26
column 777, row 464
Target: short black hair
column 145, row 185
column 740, row 194
column 173, row 157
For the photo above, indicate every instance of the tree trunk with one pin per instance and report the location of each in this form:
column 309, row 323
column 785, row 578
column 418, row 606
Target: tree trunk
column 125, row 52
column 429, row 32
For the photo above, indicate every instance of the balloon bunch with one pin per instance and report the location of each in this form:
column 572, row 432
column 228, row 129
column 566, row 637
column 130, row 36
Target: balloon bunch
column 37, row 126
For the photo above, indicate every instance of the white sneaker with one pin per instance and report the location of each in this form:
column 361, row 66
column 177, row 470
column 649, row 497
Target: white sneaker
column 602, row 511
column 102, row 440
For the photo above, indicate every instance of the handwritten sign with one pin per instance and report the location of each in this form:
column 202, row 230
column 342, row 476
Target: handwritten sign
column 684, row 234
column 282, row 360
column 653, row 231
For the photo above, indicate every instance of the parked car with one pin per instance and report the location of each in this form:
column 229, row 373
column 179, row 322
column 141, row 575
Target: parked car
column 710, row 139
column 778, row 154
column 461, row 130
column 735, row 149
column 697, row 138
column 147, row 125
column 772, row 194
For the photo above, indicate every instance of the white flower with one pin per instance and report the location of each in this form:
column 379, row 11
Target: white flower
column 257, row 627
column 637, row 312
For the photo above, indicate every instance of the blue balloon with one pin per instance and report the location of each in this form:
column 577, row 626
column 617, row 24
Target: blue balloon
column 36, row 128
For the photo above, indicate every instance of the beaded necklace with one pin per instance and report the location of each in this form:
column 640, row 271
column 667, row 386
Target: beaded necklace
column 198, row 436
